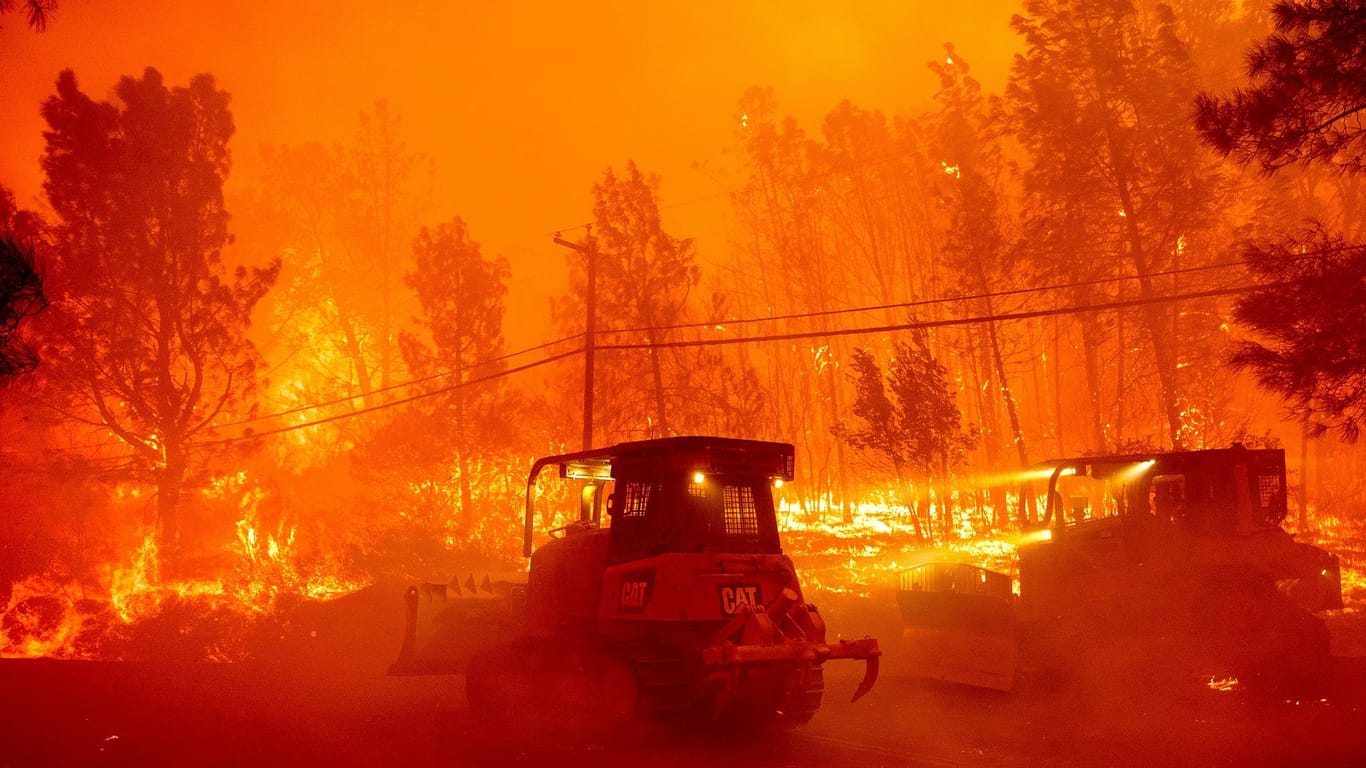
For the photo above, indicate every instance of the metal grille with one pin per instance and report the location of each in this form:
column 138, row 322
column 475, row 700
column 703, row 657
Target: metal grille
column 637, row 499
column 1268, row 490
column 697, row 490
column 740, row 518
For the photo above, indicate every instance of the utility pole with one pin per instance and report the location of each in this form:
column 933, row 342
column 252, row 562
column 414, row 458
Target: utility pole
column 589, row 250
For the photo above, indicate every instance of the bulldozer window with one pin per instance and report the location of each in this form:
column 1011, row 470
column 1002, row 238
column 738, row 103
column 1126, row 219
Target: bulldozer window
column 1271, row 500
column 740, row 518
column 719, row 514
column 636, row 499
column 743, row 520
column 1167, row 498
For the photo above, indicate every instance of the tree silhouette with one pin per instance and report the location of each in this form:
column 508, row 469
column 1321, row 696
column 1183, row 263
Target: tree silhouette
column 21, row 296
column 1308, row 92
column 802, row 204
column 908, row 417
column 644, row 278
column 1312, row 349
column 1305, row 107
column 149, row 327
column 966, row 132
column 1117, row 182
column 21, row 285
column 37, row 11
column 462, row 294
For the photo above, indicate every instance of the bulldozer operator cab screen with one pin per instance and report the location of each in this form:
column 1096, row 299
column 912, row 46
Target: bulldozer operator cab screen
column 1208, row 493
column 691, row 512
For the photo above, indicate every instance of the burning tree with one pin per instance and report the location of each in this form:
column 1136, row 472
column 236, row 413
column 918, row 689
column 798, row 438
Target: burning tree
column 149, row 326
column 339, row 213
column 916, row 428
column 967, row 135
column 1118, row 186
column 789, row 259
column 644, row 278
column 462, row 294
column 1304, row 108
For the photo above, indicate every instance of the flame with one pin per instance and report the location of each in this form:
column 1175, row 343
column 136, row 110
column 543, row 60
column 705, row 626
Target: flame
column 266, row 571
column 269, row 566
column 856, row 559
column 1223, row 683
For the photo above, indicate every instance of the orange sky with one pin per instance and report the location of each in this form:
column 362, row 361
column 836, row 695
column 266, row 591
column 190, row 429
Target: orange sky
column 520, row 107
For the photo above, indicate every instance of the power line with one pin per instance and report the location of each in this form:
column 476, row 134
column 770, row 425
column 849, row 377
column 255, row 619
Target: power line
column 788, row 336
column 392, row 403
column 756, row 339
column 925, row 302
column 916, row 325
column 862, row 330
column 399, row 385
column 968, row 297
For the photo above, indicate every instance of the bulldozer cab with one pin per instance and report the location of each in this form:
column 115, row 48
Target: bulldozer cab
column 1211, row 493
column 682, row 494
column 692, row 512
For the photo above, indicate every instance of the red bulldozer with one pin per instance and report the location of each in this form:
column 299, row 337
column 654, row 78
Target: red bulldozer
column 682, row 606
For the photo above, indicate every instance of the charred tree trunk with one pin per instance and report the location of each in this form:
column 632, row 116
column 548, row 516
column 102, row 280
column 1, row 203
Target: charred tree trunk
column 1158, row 333
column 357, row 356
column 170, row 481
column 1119, row 377
column 1057, row 388
column 657, row 384
column 1090, row 342
column 841, row 459
column 1304, row 483
column 1007, row 395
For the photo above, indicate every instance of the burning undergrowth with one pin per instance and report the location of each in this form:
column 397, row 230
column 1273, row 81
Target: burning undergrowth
column 268, row 585
column 251, row 588
column 857, row 558
column 1345, row 538
column 134, row 613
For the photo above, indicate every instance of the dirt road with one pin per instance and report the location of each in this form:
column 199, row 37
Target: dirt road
column 126, row 714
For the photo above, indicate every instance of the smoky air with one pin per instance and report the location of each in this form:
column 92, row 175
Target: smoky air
column 835, row 384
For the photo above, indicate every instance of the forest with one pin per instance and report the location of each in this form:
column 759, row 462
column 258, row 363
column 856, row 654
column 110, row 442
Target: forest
column 1151, row 238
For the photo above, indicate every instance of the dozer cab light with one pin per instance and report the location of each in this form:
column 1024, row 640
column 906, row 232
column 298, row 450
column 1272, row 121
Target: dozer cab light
column 683, row 605
column 1180, row 554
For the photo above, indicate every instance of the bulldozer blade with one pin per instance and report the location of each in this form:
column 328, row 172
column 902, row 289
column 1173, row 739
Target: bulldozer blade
column 443, row 627
column 959, row 625
column 869, row 678
column 966, row 658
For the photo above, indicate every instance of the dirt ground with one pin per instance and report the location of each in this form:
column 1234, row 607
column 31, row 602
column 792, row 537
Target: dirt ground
column 327, row 702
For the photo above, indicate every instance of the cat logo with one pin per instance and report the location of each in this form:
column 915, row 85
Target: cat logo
column 736, row 596
column 634, row 592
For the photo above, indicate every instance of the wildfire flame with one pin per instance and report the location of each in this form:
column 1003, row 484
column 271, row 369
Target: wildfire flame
column 267, row 573
column 45, row 618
